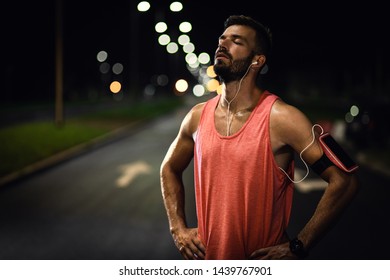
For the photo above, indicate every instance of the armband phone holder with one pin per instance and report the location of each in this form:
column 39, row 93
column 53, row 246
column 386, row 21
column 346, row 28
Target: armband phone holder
column 336, row 153
column 333, row 155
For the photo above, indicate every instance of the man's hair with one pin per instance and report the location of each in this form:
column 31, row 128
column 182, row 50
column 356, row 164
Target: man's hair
column 263, row 33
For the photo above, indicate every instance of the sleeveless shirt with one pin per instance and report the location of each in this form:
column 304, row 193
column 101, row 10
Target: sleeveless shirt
column 243, row 200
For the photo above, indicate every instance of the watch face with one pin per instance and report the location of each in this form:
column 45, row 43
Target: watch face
column 296, row 247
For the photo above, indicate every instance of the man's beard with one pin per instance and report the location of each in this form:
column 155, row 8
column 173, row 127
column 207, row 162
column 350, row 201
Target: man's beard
column 235, row 72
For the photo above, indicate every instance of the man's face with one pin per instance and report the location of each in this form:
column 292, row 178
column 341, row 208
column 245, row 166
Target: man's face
column 234, row 53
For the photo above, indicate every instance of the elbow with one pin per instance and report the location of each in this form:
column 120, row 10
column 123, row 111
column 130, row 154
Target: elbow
column 165, row 168
column 350, row 186
column 354, row 185
column 347, row 185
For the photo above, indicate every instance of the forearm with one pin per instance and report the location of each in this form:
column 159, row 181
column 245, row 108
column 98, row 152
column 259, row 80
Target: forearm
column 336, row 198
column 173, row 196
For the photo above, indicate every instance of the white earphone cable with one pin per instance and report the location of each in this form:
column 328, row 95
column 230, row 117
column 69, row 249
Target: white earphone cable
column 228, row 121
column 300, row 155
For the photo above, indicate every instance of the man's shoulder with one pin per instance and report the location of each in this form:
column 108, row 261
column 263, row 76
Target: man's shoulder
column 191, row 120
column 197, row 109
column 285, row 113
column 282, row 107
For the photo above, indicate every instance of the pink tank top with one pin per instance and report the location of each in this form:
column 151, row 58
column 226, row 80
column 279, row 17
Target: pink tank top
column 243, row 199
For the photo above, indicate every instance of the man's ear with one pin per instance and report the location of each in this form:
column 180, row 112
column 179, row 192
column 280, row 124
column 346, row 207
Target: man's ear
column 261, row 59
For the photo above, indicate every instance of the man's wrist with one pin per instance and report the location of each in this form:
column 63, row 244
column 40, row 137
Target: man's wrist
column 297, row 248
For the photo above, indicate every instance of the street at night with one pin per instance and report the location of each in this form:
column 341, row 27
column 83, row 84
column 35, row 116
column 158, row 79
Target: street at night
column 94, row 92
column 107, row 204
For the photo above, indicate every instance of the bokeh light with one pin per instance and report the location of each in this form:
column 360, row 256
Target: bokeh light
column 198, row 90
column 172, row 47
column 117, row 68
column 161, row 27
column 115, row 87
column 210, row 71
column 185, row 27
column 102, row 56
column 176, row 6
column 143, row 6
column 181, row 85
column 212, row 85
column 164, row 39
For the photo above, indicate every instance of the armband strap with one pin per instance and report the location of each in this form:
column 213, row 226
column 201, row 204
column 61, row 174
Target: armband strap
column 321, row 164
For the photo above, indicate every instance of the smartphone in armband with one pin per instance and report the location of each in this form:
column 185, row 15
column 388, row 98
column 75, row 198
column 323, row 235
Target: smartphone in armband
column 336, row 153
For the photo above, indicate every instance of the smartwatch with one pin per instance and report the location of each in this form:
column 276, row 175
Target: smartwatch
column 297, row 248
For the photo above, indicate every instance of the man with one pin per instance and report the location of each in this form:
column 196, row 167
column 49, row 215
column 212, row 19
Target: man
column 243, row 142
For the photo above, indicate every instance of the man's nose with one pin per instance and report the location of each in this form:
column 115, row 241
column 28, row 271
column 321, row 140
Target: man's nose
column 221, row 48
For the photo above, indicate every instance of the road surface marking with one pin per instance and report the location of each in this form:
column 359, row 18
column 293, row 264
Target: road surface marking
column 131, row 171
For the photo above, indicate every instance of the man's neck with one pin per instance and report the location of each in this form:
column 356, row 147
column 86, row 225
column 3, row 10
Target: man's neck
column 239, row 98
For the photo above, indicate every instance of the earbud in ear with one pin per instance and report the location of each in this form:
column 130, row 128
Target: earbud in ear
column 255, row 62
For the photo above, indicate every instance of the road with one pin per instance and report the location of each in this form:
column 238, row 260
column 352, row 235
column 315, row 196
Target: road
column 107, row 204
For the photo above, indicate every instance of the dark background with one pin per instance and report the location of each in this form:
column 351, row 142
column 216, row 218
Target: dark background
column 326, row 55
column 339, row 48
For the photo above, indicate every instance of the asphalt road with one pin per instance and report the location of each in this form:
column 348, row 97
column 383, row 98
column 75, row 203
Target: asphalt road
column 104, row 204
column 107, row 204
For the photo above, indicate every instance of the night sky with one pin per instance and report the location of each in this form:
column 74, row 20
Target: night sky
column 329, row 43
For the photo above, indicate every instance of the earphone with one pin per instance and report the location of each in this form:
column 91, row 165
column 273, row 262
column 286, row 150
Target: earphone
column 300, row 155
column 264, row 69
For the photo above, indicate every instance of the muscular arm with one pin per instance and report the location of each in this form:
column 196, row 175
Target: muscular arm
column 178, row 157
column 291, row 128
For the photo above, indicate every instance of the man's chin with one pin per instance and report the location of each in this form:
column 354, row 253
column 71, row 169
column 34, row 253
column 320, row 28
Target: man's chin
column 220, row 68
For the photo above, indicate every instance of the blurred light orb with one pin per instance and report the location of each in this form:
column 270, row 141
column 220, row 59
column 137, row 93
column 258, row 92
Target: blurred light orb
column 212, row 85
column 162, row 80
column 102, row 56
column 185, row 27
column 194, row 66
column 117, row 68
column 181, row 85
column 143, row 6
column 176, row 6
column 210, row 71
column 348, row 117
column 354, row 110
column 198, row 90
column 189, row 48
column 104, row 68
column 164, row 39
column 161, row 27
column 115, row 87
column 204, row 58
column 183, row 39
column 172, row 47
column 149, row 90
column 191, row 58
